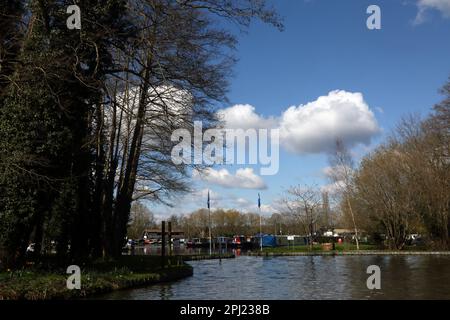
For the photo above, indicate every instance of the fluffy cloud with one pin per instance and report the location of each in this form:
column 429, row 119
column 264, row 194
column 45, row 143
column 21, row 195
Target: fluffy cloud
column 243, row 116
column 243, row 179
column 424, row 5
column 315, row 126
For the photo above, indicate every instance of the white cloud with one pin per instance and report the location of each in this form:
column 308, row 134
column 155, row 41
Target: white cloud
column 202, row 195
column 424, row 5
column 225, row 201
column 196, row 199
column 315, row 126
column 267, row 209
column 243, row 202
column 243, row 179
column 243, row 116
column 246, row 205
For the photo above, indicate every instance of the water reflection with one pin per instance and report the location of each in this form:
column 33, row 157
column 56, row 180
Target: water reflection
column 307, row 277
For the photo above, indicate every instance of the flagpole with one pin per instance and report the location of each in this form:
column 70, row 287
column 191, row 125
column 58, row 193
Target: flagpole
column 210, row 237
column 260, row 231
column 260, row 224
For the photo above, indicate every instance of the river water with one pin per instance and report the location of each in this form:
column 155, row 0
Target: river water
column 304, row 277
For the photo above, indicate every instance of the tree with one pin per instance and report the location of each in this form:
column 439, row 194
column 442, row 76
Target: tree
column 342, row 172
column 304, row 202
column 86, row 115
column 141, row 218
column 403, row 185
column 275, row 223
column 11, row 38
column 326, row 210
column 56, row 88
column 171, row 75
column 381, row 186
column 437, row 140
column 424, row 146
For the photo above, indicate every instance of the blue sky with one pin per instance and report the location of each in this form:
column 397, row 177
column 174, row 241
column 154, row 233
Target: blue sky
column 326, row 46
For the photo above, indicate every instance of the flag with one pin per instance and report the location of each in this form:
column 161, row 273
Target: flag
column 259, row 201
column 207, row 203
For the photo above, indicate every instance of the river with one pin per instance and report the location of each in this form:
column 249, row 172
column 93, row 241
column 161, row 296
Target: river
column 304, row 277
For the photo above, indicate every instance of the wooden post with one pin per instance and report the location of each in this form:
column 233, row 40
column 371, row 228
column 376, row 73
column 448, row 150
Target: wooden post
column 333, row 239
column 220, row 251
column 163, row 243
column 169, row 225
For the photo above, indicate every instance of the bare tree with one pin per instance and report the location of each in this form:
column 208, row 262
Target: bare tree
column 171, row 74
column 424, row 149
column 342, row 174
column 141, row 218
column 382, row 185
column 304, row 202
column 326, row 210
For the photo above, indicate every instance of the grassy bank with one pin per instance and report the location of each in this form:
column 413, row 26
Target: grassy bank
column 352, row 253
column 39, row 283
column 342, row 249
column 319, row 248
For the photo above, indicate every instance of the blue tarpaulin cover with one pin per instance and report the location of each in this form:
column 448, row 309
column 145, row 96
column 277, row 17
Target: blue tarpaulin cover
column 267, row 240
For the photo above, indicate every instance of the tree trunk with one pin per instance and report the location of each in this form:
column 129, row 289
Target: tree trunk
column 126, row 189
column 354, row 222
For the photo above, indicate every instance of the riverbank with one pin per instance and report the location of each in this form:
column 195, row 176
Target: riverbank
column 341, row 247
column 345, row 249
column 38, row 284
column 347, row 253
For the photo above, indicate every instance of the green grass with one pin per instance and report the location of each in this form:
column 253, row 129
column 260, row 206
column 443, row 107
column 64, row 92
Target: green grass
column 351, row 247
column 343, row 247
column 319, row 248
column 38, row 284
